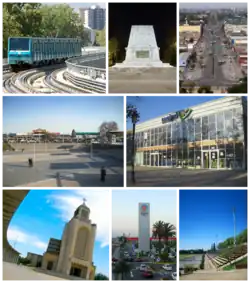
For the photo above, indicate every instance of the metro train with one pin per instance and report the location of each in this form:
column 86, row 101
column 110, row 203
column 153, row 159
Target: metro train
column 25, row 52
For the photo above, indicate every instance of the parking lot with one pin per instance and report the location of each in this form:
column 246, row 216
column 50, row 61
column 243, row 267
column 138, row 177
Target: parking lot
column 62, row 165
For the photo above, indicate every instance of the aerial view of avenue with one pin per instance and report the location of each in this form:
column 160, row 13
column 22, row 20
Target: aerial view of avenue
column 63, row 141
column 144, row 248
column 187, row 141
column 54, row 48
column 213, row 48
column 213, row 235
column 142, row 47
column 74, row 245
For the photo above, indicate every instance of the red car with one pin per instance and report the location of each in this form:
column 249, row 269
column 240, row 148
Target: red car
column 148, row 274
column 138, row 260
column 114, row 259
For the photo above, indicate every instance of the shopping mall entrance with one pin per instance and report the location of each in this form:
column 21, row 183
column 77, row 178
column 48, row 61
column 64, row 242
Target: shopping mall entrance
column 218, row 159
column 210, row 159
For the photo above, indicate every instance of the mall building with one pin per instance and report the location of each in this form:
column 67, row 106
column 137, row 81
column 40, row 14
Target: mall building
column 211, row 135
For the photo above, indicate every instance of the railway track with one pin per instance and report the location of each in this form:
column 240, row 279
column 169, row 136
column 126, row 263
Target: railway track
column 50, row 79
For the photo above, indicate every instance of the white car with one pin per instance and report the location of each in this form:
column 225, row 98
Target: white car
column 167, row 267
column 143, row 267
column 174, row 275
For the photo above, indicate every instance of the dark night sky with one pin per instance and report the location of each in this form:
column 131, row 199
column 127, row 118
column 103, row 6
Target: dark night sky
column 161, row 15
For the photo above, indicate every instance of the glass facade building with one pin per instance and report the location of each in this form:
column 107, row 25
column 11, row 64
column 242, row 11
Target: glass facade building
column 212, row 135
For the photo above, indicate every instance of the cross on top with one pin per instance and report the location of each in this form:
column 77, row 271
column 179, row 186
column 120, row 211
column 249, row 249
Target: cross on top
column 84, row 200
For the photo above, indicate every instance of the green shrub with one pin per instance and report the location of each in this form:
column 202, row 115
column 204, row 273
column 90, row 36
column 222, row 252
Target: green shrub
column 7, row 146
column 188, row 269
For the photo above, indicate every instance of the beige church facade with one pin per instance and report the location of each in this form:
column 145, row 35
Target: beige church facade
column 73, row 255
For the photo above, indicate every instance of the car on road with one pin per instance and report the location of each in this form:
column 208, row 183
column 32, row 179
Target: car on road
column 148, row 274
column 143, row 267
column 174, row 275
column 138, row 259
column 167, row 267
column 114, row 259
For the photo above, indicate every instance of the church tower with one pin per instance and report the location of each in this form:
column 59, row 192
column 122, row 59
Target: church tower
column 76, row 252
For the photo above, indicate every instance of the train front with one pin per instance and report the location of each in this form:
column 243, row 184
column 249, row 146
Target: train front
column 19, row 51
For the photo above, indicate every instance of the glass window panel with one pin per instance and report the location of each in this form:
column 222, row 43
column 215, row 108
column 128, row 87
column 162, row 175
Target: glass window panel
column 197, row 125
column 220, row 121
column 211, row 118
column 228, row 114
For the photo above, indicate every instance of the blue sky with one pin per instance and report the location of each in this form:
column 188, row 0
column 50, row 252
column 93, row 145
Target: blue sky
column 76, row 4
column 43, row 214
column 125, row 209
column 60, row 113
column 153, row 106
column 206, row 216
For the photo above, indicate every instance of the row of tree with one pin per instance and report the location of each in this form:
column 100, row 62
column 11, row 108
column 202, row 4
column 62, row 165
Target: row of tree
column 41, row 20
column 241, row 238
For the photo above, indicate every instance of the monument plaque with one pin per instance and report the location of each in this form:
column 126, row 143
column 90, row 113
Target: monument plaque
column 142, row 54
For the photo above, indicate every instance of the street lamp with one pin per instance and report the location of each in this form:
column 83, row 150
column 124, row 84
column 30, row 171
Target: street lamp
column 134, row 120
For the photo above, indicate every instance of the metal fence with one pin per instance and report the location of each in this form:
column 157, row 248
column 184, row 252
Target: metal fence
column 86, row 65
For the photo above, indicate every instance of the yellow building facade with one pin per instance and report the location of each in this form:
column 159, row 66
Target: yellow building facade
column 187, row 28
column 73, row 255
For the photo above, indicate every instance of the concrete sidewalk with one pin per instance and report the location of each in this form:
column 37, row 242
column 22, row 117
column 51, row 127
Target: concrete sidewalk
column 18, row 272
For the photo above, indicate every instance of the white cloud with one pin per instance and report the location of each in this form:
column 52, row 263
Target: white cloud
column 15, row 234
column 66, row 202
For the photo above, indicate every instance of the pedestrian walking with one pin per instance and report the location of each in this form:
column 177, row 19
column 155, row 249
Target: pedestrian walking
column 30, row 160
column 103, row 174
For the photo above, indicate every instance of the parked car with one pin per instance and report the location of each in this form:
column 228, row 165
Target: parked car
column 174, row 275
column 167, row 267
column 138, row 259
column 148, row 274
column 143, row 267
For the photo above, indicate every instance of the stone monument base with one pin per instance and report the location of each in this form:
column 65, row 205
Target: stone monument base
column 141, row 65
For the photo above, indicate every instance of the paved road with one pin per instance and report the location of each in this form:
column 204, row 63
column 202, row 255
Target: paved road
column 149, row 81
column 194, row 260
column 72, row 166
column 135, row 273
column 237, row 274
column 16, row 272
column 211, row 49
column 161, row 177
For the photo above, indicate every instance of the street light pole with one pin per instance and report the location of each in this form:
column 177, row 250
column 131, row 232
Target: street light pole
column 34, row 157
column 91, row 149
column 134, row 117
column 234, row 226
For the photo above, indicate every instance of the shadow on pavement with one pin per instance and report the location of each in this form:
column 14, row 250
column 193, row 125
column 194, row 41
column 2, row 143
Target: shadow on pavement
column 185, row 178
column 90, row 180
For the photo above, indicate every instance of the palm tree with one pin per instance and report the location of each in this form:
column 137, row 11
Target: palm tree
column 123, row 240
column 158, row 231
column 169, row 231
column 122, row 268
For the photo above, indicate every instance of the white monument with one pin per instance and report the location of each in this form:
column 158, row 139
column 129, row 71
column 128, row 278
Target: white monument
column 142, row 50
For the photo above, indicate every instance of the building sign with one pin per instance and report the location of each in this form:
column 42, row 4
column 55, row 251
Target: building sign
column 183, row 114
column 144, row 209
column 214, row 155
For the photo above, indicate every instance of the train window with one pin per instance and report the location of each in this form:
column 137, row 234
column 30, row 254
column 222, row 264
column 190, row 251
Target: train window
column 19, row 44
